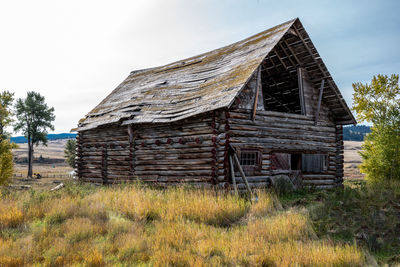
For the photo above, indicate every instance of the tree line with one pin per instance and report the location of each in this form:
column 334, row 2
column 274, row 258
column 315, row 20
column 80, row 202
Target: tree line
column 355, row 133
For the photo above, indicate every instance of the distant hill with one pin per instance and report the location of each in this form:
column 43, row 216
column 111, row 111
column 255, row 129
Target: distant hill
column 355, row 133
column 22, row 139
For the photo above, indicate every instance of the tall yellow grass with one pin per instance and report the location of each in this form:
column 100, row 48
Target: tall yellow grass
column 10, row 214
column 176, row 227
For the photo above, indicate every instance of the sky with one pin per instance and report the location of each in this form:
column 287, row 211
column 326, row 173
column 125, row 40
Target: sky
column 75, row 53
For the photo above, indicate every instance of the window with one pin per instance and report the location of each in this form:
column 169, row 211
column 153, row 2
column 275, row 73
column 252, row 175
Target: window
column 248, row 158
column 311, row 163
column 314, row 163
column 280, row 161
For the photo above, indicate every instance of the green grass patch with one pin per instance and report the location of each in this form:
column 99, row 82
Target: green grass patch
column 366, row 214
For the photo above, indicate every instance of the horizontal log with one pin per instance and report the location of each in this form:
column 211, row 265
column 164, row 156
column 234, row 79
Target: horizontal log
column 192, row 144
column 173, row 133
column 173, row 173
column 274, row 131
column 280, row 141
column 283, row 125
column 189, row 167
column 181, row 162
column 147, row 149
column 168, row 157
column 188, row 139
column 278, row 117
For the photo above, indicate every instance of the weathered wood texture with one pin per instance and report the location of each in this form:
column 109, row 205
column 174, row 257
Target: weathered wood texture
column 288, row 133
column 339, row 154
column 104, row 155
column 178, row 152
column 170, row 153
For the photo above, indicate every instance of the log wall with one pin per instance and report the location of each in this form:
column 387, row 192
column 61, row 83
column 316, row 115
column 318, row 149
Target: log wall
column 339, row 154
column 271, row 132
column 179, row 152
column 158, row 153
column 279, row 132
column 104, row 155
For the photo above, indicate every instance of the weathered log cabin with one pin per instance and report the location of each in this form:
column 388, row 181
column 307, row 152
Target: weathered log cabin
column 269, row 100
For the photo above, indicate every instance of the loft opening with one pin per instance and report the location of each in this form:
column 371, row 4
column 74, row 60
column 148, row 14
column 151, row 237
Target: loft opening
column 282, row 83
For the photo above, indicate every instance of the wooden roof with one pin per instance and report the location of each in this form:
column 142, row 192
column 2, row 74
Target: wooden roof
column 196, row 85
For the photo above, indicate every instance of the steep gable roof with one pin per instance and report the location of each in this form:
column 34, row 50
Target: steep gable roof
column 192, row 86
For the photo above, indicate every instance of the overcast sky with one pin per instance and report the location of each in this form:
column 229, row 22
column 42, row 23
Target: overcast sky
column 76, row 52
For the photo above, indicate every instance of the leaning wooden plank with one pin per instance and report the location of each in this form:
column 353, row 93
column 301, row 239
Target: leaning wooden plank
column 233, row 174
column 242, row 173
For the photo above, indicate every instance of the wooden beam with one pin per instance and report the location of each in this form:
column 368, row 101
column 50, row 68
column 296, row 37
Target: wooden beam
column 277, row 55
column 301, row 91
column 287, row 55
column 293, row 53
column 258, row 85
column 130, row 133
column 321, row 91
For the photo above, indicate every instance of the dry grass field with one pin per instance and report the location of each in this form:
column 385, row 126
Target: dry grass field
column 53, row 168
column 132, row 225
column 53, row 150
column 352, row 160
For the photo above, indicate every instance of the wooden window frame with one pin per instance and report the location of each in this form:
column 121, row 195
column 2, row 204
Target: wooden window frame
column 325, row 163
column 250, row 168
column 325, row 166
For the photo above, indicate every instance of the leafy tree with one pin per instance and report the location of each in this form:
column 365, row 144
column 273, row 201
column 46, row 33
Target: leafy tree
column 379, row 103
column 6, row 157
column 6, row 162
column 34, row 117
column 69, row 152
column 6, row 99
